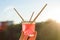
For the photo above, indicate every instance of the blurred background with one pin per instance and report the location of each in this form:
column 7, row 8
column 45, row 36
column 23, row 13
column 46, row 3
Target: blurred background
column 47, row 24
column 48, row 30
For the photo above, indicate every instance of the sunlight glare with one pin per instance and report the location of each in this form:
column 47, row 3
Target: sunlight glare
column 54, row 13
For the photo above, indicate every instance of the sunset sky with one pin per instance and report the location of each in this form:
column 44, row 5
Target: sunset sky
column 26, row 7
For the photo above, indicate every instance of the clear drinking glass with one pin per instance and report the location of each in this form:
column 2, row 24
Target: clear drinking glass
column 28, row 28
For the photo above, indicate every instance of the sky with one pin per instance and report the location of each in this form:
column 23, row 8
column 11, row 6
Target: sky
column 27, row 7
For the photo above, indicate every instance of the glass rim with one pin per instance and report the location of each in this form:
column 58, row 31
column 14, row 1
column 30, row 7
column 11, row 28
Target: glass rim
column 28, row 22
